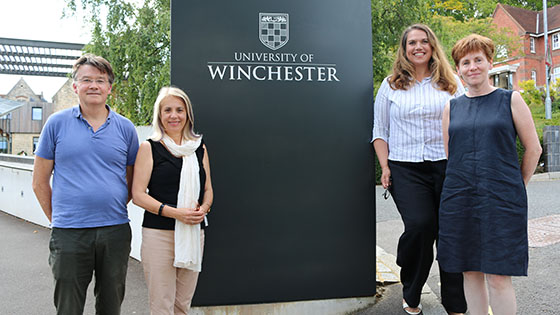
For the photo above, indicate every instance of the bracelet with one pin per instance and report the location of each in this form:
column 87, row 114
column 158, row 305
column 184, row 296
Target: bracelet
column 209, row 208
column 161, row 209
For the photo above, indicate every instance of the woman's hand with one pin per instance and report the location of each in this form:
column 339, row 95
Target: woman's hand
column 382, row 151
column 190, row 215
column 386, row 177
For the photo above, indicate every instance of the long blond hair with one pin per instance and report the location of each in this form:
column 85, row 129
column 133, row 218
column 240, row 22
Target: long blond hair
column 404, row 71
column 157, row 127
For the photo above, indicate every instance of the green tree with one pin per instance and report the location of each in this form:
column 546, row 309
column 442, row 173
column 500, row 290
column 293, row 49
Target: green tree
column 464, row 9
column 450, row 30
column 136, row 40
column 467, row 9
column 535, row 5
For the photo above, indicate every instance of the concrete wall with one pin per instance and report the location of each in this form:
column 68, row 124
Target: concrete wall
column 16, row 195
column 551, row 141
column 17, row 198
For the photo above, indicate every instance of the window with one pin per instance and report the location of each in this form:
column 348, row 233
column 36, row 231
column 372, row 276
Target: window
column 556, row 41
column 37, row 113
column 35, row 143
column 555, row 75
column 532, row 44
column 534, row 76
column 4, row 144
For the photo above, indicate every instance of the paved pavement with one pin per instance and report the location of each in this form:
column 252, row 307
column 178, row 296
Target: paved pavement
column 26, row 282
column 535, row 293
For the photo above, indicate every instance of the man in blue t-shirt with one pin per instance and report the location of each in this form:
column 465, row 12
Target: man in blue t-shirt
column 91, row 150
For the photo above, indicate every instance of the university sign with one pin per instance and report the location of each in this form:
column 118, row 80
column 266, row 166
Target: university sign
column 272, row 72
column 282, row 92
column 266, row 66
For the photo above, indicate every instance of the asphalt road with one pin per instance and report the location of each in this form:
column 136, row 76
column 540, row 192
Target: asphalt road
column 537, row 293
column 26, row 280
column 26, row 284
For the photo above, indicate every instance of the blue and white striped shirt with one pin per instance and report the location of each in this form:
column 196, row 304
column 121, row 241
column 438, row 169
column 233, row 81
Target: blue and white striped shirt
column 410, row 120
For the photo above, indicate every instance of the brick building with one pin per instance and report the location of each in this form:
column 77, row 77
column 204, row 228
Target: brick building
column 529, row 63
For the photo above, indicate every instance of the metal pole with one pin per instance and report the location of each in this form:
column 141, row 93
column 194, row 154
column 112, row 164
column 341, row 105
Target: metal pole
column 547, row 102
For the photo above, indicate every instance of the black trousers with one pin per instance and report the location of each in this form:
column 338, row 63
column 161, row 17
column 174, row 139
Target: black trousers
column 416, row 190
column 76, row 254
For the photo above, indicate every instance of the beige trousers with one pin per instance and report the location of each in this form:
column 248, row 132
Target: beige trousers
column 171, row 289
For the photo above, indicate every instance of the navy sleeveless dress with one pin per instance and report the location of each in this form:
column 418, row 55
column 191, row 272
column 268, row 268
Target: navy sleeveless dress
column 483, row 210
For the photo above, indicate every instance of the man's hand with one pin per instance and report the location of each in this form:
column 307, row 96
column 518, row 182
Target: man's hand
column 42, row 171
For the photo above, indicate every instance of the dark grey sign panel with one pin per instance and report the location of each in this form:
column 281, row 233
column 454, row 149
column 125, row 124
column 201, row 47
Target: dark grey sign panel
column 282, row 92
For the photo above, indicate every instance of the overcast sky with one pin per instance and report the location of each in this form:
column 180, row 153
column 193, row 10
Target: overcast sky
column 39, row 20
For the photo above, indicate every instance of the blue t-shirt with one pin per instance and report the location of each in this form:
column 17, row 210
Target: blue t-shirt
column 89, row 182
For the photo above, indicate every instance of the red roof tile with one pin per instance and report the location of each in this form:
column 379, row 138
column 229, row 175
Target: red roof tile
column 527, row 19
column 553, row 16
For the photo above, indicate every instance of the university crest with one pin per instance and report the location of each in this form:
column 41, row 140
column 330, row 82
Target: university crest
column 274, row 29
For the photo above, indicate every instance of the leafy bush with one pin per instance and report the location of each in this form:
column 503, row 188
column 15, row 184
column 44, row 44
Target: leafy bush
column 535, row 97
column 532, row 95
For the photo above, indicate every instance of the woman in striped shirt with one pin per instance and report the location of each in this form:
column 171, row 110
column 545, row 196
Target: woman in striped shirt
column 407, row 138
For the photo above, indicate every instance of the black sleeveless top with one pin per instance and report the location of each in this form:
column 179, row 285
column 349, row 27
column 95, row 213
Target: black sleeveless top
column 164, row 183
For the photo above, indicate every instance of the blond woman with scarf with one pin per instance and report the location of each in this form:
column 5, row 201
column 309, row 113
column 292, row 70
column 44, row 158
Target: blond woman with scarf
column 172, row 183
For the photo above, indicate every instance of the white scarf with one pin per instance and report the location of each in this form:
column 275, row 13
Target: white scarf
column 188, row 253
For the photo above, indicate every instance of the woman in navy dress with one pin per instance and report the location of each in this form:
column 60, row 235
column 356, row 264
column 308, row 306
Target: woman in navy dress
column 483, row 211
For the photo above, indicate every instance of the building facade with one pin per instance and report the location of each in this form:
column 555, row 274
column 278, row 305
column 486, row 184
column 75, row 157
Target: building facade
column 65, row 97
column 529, row 62
column 20, row 128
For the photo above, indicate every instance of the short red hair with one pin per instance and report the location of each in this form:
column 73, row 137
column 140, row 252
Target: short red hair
column 470, row 44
